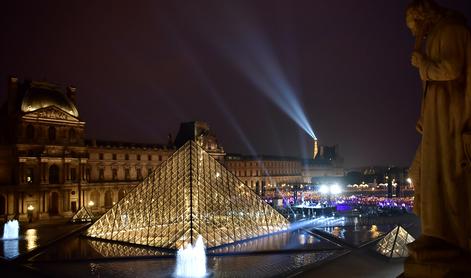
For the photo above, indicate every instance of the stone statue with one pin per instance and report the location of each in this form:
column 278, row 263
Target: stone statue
column 441, row 171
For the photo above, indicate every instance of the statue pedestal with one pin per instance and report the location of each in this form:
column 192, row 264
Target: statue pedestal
column 452, row 267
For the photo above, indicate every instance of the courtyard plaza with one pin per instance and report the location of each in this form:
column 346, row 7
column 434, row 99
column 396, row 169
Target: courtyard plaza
column 50, row 248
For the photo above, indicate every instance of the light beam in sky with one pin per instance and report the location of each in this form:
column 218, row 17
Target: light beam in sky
column 251, row 52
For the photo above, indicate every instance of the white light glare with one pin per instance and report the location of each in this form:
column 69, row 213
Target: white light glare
column 335, row 189
column 324, row 189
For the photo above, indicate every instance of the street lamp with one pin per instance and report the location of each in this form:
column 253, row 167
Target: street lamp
column 30, row 209
column 91, row 203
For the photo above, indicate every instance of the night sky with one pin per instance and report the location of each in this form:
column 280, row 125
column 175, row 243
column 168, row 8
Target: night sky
column 142, row 67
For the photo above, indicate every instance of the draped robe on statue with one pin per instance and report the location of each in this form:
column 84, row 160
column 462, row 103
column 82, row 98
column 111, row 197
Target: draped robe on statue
column 441, row 170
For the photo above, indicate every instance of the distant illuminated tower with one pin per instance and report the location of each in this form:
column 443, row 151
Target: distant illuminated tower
column 316, row 149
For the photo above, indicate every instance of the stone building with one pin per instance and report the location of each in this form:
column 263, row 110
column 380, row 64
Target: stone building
column 265, row 173
column 48, row 168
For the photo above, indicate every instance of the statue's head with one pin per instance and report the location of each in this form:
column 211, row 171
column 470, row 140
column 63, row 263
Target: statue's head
column 421, row 15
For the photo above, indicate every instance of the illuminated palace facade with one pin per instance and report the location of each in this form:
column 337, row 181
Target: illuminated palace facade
column 48, row 168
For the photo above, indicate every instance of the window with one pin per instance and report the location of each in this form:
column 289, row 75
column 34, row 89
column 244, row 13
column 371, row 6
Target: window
column 127, row 174
column 100, row 156
column 72, row 135
column 73, row 174
column 29, row 174
column 138, row 157
column 114, row 156
column 126, row 157
column 30, row 132
column 52, row 133
column 160, row 158
column 149, row 157
column 53, row 174
column 139, row 173
column 101, row 175
column 115, row 174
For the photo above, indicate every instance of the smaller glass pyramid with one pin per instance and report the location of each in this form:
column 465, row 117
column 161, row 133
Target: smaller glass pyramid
column 394, row 244
column 82, row 215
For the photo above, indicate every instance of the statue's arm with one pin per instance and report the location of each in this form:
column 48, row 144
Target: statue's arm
column 452, row 43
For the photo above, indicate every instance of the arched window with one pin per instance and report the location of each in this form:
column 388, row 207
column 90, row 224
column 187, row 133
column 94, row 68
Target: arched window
column 53, row 174
column 72, row 135
column 52, row 133
column 30, row 132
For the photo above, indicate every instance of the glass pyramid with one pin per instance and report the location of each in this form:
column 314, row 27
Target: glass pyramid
column 394, row 244
column 82, row 215
column 189, row 194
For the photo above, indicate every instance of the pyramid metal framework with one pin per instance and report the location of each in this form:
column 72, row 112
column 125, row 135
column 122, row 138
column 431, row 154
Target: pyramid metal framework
column 187, row 195
column 394, row 244
column 82, row 215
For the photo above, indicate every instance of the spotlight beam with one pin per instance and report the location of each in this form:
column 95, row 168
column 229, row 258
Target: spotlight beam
column 256, row 60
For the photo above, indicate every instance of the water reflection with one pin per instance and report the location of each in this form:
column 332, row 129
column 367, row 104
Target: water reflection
column 113, row 249
column 356, row 235
column 270, row 265
column 10, row 248
column 282, row 241
column 302, row 239
column 31, row 239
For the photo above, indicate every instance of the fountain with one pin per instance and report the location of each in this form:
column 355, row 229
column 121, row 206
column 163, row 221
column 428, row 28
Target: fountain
column 10, row 230
column 191, row 260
